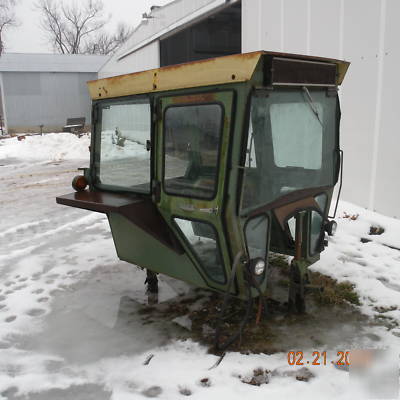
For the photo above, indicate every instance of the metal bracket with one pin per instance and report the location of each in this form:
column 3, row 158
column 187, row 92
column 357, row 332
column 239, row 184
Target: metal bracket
column 332, row 91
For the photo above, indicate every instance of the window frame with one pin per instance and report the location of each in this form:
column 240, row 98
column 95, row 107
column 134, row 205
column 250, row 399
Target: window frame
column 221, row 135
column 266, row 92
column 323, row 213
column 95, row 160
column 319, row 242
column 321, row 236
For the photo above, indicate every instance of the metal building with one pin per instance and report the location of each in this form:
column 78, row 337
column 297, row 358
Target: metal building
column 183, row 30
column 45, row 89
column 364, row 32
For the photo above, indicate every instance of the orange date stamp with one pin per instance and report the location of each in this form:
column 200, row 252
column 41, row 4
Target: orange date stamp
column 318, row 358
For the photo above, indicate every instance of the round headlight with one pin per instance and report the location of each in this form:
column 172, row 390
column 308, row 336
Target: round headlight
column 259, row 267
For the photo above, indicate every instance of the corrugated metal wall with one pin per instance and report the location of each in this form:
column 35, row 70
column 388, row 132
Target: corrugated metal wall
column 145, row 58
column 364, row 32
column 48, row 98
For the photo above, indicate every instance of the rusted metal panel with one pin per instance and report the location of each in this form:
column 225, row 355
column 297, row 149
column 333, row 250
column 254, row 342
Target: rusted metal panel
column 283, row 212
column 236, row 68
column 291, row 198
column 214, row 71
column 283, row 71
column 195, row 98
column 141, row 211
column 342, row 66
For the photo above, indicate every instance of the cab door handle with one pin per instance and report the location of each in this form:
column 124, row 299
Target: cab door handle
column 192, row 208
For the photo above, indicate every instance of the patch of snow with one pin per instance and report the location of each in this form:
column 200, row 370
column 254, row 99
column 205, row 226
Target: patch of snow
column 48, row 147
column 373, row 267
column 110, row 151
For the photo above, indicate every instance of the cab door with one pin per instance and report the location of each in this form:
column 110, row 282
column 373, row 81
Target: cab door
column 192, row 143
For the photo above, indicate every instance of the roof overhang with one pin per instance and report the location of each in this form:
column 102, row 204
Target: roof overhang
column 197, row 15
column 214, row 71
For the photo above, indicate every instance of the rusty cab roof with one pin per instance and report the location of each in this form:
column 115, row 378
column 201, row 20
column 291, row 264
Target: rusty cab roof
column 281, row 69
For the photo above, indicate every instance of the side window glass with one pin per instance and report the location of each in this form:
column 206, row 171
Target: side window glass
column 321, row 200
column 292, row 227
column 123, row 160
column 315, row 231
column 203, row 240
column 192, row 136
column 256, row 236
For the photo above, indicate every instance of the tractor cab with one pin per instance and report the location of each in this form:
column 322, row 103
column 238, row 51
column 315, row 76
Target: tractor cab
column 204, row 168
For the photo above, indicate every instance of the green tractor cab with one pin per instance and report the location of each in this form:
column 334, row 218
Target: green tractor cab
column 203, row 168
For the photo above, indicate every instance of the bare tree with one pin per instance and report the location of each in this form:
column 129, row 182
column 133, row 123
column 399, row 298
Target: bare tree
column 105, row 43
column 77, row 28
column 7, row 19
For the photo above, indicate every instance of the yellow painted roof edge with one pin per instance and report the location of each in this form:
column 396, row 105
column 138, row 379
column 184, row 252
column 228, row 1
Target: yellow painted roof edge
column 214, row 71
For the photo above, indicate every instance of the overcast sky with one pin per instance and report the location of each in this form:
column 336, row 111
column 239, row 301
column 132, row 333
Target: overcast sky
column 29, row 38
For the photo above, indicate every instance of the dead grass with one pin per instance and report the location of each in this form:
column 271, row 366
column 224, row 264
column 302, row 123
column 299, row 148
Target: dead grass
column 333, row 293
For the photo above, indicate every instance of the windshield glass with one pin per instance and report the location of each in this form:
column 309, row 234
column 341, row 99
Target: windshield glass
column 122, row 160
column 291, row 145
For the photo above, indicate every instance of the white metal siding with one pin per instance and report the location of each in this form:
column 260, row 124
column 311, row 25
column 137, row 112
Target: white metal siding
column 145, row 58
column 295, row 26
column 387, row 190
column 31, row 62
column 364, row 32
column 325, row 39
column 35, row 98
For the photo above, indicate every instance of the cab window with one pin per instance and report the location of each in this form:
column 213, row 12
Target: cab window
column 122, row 161
column 203, row 240
column 292, row 144
column 192, row 136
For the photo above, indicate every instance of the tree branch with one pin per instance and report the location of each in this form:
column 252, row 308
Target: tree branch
column 78, row 28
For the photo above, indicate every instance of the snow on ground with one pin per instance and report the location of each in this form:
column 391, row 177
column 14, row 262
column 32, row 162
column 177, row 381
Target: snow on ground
column 373, row 266
column 71, row 313
column 48, row 147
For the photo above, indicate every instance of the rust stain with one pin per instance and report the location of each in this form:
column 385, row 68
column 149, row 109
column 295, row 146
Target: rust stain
column 195, row 98
column 283, row 212
column 233, row 57
column 213, row 71
column 238, row 67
